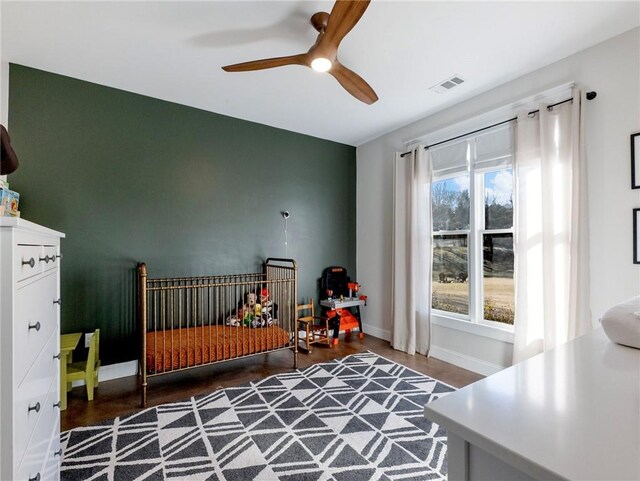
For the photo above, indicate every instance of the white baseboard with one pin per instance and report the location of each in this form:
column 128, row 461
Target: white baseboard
column 114, row 371
column 464, row 361
column 376, row 331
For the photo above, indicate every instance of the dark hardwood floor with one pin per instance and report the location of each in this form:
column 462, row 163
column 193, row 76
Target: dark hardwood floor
column 122, row 396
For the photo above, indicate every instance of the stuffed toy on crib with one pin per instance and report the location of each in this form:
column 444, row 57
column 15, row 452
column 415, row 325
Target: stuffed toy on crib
column 251, row 313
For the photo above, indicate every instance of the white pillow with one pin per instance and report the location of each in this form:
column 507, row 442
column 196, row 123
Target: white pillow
column 622, row 323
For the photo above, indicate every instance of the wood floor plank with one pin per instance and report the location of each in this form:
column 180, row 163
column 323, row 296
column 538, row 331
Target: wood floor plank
column 121, row 397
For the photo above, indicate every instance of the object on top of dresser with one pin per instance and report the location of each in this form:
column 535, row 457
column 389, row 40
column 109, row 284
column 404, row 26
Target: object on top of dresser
column 9, row 201
column 622, row 323
column 8, row 158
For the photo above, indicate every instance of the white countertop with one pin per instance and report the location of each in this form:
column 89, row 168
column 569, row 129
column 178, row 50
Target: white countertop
column 573, row 412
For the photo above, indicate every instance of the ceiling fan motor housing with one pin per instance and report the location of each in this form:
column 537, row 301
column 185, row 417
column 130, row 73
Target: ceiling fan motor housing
column 319, row 21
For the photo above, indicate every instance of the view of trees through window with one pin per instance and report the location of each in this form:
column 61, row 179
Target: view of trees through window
column 450, row 204
column 450, row 209
column 451, row 213
column 497, row 247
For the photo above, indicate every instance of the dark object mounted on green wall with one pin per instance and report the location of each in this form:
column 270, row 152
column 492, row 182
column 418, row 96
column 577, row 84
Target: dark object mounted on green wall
column 8, row 158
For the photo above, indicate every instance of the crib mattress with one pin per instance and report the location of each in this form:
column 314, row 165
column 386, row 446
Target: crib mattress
column 187, row 347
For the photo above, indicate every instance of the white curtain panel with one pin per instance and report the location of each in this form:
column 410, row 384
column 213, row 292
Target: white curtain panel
column 551, row 232
column 411, row 261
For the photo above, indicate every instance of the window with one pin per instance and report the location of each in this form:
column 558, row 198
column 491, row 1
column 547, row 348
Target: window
column 450, row 211
column 498, row 286
column 472, row 212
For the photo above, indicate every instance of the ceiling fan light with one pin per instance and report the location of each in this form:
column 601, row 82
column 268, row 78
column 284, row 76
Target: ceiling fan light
column 321, row 64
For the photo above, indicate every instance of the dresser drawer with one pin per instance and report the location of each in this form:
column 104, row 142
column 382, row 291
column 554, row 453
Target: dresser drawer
column 36, row 391
column 35, row 452
column 50, row 259
column 27, row 261
column 36, row 318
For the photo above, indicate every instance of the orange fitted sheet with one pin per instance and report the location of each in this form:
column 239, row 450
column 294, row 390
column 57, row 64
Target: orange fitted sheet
column 187, row 347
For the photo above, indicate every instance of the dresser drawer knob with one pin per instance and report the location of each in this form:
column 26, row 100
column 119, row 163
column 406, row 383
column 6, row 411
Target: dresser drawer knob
column 58, row 356
column 35, row 326
column 57, row 405
column 31, row 262
column 58, row 301
column 58, row 452
column 35, row 478
column 35, row 408
column 44, row 259
column 53, row 258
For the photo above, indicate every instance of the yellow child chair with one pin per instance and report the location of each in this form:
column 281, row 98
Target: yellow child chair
column 87, row 371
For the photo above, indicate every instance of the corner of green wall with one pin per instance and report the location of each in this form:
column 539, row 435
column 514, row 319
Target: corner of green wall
column 131, row 178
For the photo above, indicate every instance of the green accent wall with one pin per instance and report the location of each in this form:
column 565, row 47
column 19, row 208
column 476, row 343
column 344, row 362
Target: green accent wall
column 131, row 178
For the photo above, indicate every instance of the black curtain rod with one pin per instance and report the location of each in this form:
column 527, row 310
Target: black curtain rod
column 590, row 96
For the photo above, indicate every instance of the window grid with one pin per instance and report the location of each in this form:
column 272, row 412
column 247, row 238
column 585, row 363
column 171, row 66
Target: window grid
column 475, row 237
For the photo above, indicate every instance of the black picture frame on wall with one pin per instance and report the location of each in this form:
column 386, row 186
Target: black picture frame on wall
column 635, row 161
column 636, row 236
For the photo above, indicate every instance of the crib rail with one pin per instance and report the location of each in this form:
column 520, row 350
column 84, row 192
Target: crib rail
column 188, row 322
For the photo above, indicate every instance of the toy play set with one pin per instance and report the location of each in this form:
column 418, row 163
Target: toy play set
column 342, row 303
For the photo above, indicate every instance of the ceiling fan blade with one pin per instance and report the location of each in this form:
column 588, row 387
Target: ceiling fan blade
column 344, row 15
column 353, row 83
column 267, row 63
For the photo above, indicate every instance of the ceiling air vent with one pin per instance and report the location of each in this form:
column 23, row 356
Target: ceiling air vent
column 447, row 84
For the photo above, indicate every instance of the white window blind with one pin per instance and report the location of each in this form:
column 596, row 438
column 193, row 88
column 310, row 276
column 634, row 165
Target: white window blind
column 494, row 147
column 450, row 158
column 488, row 149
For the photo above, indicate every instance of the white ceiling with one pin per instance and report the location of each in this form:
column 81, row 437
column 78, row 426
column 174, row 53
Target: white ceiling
column 174, row 51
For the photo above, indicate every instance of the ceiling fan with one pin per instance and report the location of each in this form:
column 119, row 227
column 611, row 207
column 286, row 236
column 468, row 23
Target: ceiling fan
column 323, row 55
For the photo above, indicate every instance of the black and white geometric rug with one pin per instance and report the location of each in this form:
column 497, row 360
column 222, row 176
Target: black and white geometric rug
column 352, row 419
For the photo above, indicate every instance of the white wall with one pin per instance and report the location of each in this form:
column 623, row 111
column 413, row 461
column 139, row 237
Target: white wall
column 4, row 115
column 4, row 92
column 4, row 83
column 4, row 88
column 611, row 68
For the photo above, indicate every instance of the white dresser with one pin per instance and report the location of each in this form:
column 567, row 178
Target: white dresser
column 29, row 351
